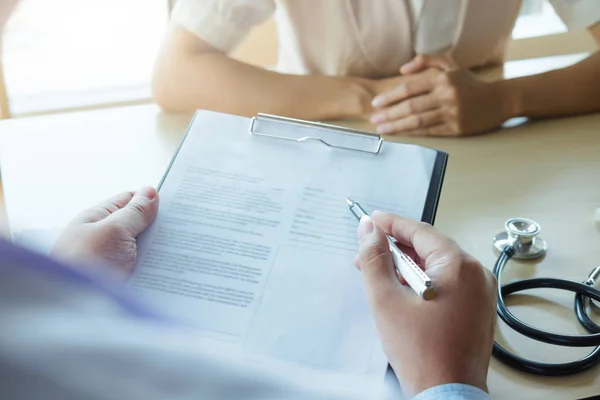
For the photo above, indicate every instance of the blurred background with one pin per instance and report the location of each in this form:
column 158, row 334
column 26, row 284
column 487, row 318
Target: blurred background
column 65, row 55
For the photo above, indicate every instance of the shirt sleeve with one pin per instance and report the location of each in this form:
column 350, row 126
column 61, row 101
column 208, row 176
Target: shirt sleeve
column 59, row 322
column 578, row 14
column 453, row 391
column 221, row 23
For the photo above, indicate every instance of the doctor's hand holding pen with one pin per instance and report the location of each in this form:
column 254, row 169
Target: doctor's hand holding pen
column 448, row 340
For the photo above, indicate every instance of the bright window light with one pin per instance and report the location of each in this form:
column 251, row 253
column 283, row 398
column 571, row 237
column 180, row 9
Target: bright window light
column 73, row 53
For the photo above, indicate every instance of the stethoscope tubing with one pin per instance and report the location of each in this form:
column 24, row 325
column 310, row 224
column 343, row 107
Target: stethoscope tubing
column 584, row 292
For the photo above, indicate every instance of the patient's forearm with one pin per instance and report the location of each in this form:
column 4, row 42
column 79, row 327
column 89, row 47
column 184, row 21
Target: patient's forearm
column 186, row 82
column 568, row 91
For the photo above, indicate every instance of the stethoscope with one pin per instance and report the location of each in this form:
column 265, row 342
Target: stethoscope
column 520, row 240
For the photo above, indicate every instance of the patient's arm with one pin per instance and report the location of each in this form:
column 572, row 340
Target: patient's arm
column 567, row 91
column 190, row 74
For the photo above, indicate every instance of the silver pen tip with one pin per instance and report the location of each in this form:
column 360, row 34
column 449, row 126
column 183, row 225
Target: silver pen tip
column 350, row 201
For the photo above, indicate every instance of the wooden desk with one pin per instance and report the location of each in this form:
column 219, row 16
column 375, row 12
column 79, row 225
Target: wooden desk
column 54, row 166
column 550, row 172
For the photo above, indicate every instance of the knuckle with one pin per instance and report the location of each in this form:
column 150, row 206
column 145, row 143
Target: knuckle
column 472, row 270
column 105, row 236
column 424, row 226
column 415, row 122
column 452, row 93
column 450, row 112
column 373, row 255
column 139, row 209
column 455, row 254
column 123, row 252
column 456, row 129
column 478, row 279
column 443, row 78
column 395, row 112
column 432, row 75
column 404, row 89
column 420, row 122
column 393, row 115
column 447, row 254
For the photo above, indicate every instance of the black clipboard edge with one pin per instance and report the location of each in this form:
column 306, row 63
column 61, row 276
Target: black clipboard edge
column 187, row 130
column 435, row 187
column 594, row 397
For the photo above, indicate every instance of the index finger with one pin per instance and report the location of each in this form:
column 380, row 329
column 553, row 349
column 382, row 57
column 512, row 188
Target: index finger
column 103, row 209
column 413, row 86
column 422, row 237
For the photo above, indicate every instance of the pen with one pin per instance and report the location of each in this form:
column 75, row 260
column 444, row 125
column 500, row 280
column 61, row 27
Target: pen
column 405, row 266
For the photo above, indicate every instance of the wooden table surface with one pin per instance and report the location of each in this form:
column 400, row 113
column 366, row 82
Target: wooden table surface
column 53, row 166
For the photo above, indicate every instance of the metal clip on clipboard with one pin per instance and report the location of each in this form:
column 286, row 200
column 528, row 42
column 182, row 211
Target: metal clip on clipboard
column 329, row 135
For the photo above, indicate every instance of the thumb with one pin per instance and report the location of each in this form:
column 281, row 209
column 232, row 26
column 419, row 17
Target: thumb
column 375, row 261
column 423, row 61
column 417, row 64
column 139, row 213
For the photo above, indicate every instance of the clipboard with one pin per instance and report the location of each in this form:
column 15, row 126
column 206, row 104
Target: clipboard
column 334, row 137
column 263, row 199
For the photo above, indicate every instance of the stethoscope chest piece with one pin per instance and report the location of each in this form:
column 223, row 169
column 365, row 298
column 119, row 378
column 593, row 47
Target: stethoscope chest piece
column 521, row 233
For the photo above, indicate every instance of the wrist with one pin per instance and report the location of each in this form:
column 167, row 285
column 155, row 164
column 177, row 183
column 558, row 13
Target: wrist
column 511, row 102
column 355, row 99
column 414, row 381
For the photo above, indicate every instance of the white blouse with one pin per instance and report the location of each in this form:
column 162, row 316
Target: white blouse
column 370, row 38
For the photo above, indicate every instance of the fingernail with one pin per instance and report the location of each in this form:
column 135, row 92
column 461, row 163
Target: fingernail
column 148, row 192
column 377, row 118
column 377, row 101
column 365, row 227
column 385, row 128
column 375, row 213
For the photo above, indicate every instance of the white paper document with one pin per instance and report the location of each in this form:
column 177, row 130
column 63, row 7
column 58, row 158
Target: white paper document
column 254, row 243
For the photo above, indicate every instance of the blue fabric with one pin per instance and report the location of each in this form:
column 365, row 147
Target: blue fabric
column 453, row 391
column 12, row 256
